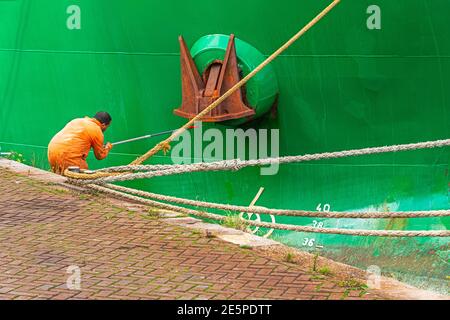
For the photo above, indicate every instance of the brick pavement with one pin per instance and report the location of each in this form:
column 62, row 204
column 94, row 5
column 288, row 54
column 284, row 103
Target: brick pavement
column 122, row 254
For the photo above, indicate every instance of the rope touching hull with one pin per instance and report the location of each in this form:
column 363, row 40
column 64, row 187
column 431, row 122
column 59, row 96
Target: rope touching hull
column 281, row 212
column 379, row 233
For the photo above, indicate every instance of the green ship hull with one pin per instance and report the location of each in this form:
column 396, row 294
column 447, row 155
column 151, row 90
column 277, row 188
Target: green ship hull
column 342, row 86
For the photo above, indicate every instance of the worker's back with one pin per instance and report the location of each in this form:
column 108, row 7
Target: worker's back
column 70, row 146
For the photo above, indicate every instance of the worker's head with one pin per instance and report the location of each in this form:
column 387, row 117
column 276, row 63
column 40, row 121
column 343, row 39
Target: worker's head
column 104, row 118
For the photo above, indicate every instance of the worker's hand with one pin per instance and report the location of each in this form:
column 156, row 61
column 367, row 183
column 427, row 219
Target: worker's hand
column 165, row 146
column 108, row 146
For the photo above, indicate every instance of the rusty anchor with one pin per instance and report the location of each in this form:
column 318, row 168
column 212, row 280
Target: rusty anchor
column 198, row 92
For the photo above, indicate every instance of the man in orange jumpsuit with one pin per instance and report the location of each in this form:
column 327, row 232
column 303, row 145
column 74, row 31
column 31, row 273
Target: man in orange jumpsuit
column 70, row 146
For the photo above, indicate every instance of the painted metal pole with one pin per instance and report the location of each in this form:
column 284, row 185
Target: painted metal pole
column 146, row 136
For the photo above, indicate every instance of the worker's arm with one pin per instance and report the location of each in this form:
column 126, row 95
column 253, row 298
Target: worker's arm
column 100, row 150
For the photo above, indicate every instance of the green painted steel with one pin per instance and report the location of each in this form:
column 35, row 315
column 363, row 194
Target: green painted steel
column 342, row 86
column 261, row 91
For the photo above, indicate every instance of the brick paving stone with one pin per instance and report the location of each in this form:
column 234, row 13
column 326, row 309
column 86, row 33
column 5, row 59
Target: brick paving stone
column 123, row 255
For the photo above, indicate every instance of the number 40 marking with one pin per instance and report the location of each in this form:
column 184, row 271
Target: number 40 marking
column 326, row 207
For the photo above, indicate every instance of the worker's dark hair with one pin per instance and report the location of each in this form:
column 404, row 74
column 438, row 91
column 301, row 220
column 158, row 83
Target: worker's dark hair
column 103, row 117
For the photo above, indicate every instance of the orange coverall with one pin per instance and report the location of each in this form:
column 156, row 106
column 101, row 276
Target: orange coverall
column 70, row 146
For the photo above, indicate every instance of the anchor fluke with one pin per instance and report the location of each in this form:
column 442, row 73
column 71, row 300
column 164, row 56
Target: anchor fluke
column 199, row 91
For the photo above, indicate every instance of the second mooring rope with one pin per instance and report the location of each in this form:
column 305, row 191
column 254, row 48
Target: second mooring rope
column 217, row 217
column 282, row 212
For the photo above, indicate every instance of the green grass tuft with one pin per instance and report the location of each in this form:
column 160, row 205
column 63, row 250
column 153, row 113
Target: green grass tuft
column 234, row 221
column 289, row 257
column 325, row 271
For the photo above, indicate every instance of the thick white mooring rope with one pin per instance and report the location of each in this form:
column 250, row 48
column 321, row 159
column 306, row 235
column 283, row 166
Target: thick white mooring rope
column 237, row 164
